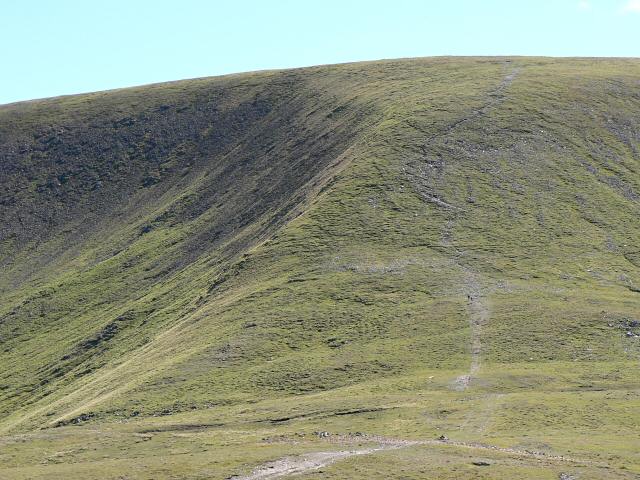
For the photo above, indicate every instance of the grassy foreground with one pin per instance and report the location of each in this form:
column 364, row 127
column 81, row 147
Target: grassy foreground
column 199, row 277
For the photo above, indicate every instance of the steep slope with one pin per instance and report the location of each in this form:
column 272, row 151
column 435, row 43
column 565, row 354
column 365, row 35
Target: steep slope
column 197, row 276
column 104, row 222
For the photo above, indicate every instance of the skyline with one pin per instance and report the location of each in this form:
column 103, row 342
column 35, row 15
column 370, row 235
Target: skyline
column 69, row 47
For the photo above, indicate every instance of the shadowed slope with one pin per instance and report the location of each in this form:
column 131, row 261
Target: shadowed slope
column 129, row 221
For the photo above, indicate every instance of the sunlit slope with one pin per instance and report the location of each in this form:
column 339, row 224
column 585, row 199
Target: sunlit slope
column 402, row 248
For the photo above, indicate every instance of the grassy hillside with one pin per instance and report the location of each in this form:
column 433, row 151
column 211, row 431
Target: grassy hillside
column 198, row 277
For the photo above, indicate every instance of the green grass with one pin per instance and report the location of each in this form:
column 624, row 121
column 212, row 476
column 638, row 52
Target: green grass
column 275, row 254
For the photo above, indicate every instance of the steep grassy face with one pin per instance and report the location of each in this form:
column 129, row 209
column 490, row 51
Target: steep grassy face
column 198, row 276
column 106, row 217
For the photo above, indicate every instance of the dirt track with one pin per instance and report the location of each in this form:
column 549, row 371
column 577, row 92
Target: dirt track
column 292, row 465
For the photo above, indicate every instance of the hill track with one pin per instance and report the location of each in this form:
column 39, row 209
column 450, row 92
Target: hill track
column 294, row 465
column 478, row 318
column 287, row 466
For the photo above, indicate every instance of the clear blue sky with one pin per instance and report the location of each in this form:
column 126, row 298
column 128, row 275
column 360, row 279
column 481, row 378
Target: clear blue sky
column 59, row 47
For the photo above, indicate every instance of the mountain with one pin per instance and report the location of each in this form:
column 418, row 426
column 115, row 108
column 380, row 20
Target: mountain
column 417, row 268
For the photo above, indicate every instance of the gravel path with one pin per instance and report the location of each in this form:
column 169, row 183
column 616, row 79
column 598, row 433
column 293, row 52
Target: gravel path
column 478, row 317
column 292, row 465
column 312, row 461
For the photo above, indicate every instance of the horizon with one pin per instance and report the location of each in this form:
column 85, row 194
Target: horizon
column 70, row 48
column 246, row 72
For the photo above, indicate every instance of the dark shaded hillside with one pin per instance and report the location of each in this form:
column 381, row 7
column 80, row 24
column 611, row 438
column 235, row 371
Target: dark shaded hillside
column 215, row 269
column 71, row 163
column 113, row 194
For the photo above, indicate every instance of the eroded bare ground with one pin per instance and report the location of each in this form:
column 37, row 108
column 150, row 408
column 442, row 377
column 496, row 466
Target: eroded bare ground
column 478, row 317
column 478, row 306
column 293, row 465
column 312, row 461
